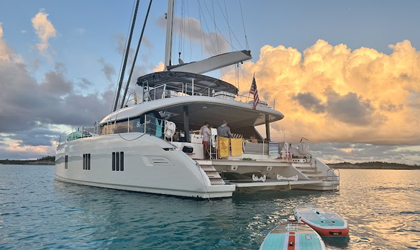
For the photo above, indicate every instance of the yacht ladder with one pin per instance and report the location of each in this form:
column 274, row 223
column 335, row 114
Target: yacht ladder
column 310, row 172
column 214, row 176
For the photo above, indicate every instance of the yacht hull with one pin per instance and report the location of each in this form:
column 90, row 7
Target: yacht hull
column 144, row 163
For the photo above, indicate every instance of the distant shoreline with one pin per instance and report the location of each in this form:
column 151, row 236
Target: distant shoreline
column 47, row 160
column 374, row 165
column 27, row 163
column 386, row 168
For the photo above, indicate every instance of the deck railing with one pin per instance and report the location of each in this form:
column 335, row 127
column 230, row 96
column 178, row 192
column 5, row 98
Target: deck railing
column 188, row 89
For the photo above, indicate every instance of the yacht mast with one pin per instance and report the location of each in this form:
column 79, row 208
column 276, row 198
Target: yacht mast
column 117, row 96
column 169, row 27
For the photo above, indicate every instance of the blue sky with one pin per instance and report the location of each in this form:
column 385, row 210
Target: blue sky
column 85, row 57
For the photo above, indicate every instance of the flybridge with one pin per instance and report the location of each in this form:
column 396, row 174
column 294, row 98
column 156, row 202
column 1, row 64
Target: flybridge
column 187, row 82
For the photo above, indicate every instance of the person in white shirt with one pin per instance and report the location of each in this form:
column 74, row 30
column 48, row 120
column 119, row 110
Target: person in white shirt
column 205, row 132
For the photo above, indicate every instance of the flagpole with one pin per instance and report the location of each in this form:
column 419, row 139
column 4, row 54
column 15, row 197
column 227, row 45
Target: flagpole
column 254, row 90
column 247, row 99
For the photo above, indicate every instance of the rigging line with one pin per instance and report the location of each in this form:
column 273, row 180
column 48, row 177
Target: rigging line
column 126, row 56
column 227, row 20
column 137, row 51
column 184, row 26
column 132, row 139
column 243, row 23
column 224, row 38
column 245, row 78
column 202, row 33
column 201, row 37
column 215, row 27
column 122, row 59
column 181, row 27
column 211, row 40
column 189, row 31
column 225, row 71
column 230, row 30
column 243, row 74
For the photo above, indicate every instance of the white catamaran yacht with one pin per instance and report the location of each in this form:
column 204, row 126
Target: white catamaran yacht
column 155, row 147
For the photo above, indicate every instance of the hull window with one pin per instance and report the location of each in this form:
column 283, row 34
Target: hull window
column 117, row 161
column 66, row 162
column 86, row 161
column 122, row 161
column 113, row 161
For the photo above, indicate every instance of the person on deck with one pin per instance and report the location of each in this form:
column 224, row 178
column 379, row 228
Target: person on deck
column 223, row 130
column 205, row 132
column 252, row 139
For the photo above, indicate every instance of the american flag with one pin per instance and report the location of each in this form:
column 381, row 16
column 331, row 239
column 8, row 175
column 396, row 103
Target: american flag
column 254, row 91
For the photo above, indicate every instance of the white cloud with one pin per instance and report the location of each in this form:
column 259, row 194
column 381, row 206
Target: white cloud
column 212, row 42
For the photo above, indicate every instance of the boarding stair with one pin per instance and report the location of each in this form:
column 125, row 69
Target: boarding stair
column 310, row 172
column 214, row 176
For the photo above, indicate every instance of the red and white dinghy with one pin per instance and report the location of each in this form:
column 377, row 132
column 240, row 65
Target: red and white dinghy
column 322, row 220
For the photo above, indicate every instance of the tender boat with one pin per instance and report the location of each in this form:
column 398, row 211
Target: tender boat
column 154, row 146
column 322, row 220
column 293, row 236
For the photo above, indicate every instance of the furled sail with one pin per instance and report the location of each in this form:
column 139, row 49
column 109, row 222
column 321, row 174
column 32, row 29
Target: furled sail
column 213, row 63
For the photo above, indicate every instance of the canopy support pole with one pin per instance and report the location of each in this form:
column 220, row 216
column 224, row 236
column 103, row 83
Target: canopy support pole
column 267, row 127
column 186, row 124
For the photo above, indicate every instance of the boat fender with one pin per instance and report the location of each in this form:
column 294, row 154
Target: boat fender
column 187, row 149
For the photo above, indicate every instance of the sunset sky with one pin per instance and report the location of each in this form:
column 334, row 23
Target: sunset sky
column 346, row 74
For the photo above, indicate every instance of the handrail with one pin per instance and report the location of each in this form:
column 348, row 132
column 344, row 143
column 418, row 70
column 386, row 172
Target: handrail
column 335, row 177
column 183, row 91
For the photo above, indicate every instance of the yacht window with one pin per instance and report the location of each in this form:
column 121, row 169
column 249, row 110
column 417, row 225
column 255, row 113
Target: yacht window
column 86, row 161
column 105, row 129
column 66, row 162
column 122, row 161
column 121, row 127
column 117, row 161
column 113, row 161
column 137, row 124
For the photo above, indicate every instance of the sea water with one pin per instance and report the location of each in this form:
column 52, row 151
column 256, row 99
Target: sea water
column 382, row 208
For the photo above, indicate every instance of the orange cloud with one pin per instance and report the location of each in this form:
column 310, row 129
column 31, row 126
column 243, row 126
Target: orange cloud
column 159, row 67
column 44, row 30
column 4, row 50
column 16, row 146
column 330, row 93
column 6, row 53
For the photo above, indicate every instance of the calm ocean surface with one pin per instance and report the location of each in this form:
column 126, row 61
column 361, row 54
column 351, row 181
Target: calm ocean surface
column 36, row 212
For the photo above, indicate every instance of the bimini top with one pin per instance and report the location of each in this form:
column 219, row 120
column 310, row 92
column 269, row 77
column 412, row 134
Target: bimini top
column 183, row 80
